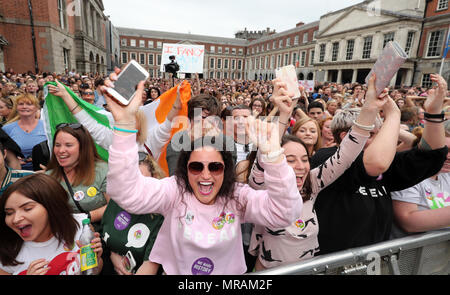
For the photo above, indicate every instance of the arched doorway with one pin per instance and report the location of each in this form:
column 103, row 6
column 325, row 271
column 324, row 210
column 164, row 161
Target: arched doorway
column 301, row 76
column 310, row 76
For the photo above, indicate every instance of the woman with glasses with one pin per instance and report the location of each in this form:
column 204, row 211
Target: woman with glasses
column 258, row 106
column 202, row 204
column 75, row 163
column 25, row 128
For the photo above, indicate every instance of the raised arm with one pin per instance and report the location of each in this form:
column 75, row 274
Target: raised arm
column 433, row 136
column 379, row 155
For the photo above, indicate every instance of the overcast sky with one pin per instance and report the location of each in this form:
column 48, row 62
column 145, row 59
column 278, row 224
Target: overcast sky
column 218, row 18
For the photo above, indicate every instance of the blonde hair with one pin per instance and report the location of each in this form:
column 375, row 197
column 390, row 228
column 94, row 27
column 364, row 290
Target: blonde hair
column 14, row 116
column 141, row 126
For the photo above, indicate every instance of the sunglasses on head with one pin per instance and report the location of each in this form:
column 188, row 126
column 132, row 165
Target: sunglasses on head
column 215, row 168
column 70, row 125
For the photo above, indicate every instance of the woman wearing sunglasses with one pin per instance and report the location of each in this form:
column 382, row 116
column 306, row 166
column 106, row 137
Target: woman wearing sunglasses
column 276, row 246
column 76, row 164
column 202, row 205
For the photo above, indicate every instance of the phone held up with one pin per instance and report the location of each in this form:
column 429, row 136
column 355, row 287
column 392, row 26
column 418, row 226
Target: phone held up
column 127, row 81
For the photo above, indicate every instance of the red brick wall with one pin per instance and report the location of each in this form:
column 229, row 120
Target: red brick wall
column 431, row 9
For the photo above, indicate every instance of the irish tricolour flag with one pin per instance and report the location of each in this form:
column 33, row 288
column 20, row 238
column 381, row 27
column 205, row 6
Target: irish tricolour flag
column 55, row 112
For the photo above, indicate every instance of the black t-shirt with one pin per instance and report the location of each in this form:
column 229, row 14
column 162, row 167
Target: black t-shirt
column 356, row 210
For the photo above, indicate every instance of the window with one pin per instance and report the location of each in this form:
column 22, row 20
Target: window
column 435, row 43
column 257, row 49
column 266, row 62
column 227, row 50
column 219, row 63
column 133, row 55
column 409, row 42
column 225, row 63
column 442, row 5
column 142, row 43
column 311, row 62
column 350, row 47
column 124, row 57
column 66, row 54
column 279, row 61
column 211, row 75
column 233, row 51
column 294, row 58
column 274, row 44
column 123, row 42
column 219, row 49
column 303, row 59
column 253, row 50
column 286, row 59
column 388, row 37
column 322, row 53
column 218, row 75
column 159, row 63
column 233, row 64
column 150, row 59
column 280, row 44
column 241, row 51
column 158, row 44
column 211, row 63
column 288, row 42
column 225, row 75
column 61, row 13
column 426, row 81
column 133, row 43
column 335, row 51
column 272, row 61
column 296, row 40
column 314, row 35
column 267, row 46
column 142, row 58
column 367, row 48
column 150, row 44
column 305, row 38
column 212, row 49
column 239, row 64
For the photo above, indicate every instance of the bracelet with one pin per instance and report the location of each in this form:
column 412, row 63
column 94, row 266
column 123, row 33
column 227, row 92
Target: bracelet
column 440, row 120
column 285, row 124
column 125, row 130
column 272, row 156
column 364, row 127
column 127, row 123
column 74, row 108
column 434, row 116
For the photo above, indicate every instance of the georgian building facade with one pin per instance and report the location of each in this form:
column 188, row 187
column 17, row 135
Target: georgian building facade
column 53, row 36
column 223, row 59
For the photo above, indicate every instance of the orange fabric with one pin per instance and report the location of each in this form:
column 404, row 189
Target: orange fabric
column 167, row 99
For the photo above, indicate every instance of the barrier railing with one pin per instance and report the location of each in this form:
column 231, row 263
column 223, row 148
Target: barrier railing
column 422, row 254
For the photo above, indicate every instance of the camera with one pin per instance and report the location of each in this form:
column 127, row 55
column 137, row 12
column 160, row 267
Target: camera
column 172, row 67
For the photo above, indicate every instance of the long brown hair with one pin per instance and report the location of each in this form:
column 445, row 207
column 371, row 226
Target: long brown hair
column 88, row 156
column 53, row 197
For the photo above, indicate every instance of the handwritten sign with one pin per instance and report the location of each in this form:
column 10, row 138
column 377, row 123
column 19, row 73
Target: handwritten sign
column 189, row 57
column 307, row 84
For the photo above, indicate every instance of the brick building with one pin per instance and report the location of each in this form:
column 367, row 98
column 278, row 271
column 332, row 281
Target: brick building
column 52, row 35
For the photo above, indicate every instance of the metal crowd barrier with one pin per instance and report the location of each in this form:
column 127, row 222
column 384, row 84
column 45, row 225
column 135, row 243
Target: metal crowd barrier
column 422, row 254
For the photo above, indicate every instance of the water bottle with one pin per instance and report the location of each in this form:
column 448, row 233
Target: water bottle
column 88, row 258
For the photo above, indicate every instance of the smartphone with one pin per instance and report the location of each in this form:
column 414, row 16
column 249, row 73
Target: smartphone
column 129, row 262
column 127, row 81
column 387, row 64
column 288, row 75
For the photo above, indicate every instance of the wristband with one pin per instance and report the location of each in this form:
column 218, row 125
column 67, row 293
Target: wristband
column 74, row 109
column 125, row 130
column 440, row 120
column 364, row 127
column 434, row 116
column 272, row 156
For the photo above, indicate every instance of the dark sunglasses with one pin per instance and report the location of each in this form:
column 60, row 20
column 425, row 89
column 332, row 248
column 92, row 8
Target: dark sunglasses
column 87, row 93
column 70, row 125
column 215, row 168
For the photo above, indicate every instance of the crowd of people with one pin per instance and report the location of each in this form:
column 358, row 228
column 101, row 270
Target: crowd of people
column 270, row 180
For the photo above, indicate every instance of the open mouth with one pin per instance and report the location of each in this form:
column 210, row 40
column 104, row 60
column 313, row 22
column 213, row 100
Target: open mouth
column 300, row 180
column 25, row 230
column 205, row 188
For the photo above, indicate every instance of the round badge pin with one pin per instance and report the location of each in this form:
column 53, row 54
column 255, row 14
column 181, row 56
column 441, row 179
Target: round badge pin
column 78, row 196
column 189, row 218
column 92, row 191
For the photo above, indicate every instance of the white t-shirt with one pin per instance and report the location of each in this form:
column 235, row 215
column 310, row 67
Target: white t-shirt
column 64, row 258
column 428, row 194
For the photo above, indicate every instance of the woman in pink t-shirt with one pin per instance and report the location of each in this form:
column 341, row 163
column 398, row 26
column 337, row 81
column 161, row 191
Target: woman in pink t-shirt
column 202, row 204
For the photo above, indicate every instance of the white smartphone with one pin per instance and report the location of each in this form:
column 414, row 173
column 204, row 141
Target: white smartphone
column 288, row 75
column 125, row 86
column 129, row 262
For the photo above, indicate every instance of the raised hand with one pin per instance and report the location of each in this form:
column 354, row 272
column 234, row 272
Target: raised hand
column 435, row 100
column 264, row 135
